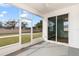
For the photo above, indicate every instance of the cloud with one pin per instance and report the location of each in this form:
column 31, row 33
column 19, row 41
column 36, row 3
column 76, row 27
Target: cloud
column 25, row 20
column 4, row 12
column 23, row 15
column 1, row 15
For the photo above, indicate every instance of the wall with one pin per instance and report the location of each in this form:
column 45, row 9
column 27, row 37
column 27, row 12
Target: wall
column 73, row 24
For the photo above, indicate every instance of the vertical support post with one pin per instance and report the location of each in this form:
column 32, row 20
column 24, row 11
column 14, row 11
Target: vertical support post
column 20, row 32
column 56, row 28
column 31, row 32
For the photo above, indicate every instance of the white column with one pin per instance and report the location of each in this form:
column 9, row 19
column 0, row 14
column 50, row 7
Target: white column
column 31, row 31
column 20, row 32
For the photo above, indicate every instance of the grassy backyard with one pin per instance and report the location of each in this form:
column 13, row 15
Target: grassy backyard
column 12, row 40
column 8, row 41
column 36, row 35
column 26, row 39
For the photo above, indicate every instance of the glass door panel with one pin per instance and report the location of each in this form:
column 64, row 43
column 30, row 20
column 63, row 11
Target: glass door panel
column 62, row 28
column 52, row 28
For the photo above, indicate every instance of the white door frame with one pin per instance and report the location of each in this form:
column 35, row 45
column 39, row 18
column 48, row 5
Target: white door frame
column 66, row 44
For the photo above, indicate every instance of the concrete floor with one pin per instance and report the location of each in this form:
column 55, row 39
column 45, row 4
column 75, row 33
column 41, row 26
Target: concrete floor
column 46, row 49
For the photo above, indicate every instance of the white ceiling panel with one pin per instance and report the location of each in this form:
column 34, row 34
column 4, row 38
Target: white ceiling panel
column 48, row 7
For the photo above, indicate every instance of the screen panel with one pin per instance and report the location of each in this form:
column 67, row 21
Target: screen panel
column 9, row 24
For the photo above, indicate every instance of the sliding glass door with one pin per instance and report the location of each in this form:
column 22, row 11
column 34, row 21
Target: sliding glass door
column 52, row 28
column 60, row 27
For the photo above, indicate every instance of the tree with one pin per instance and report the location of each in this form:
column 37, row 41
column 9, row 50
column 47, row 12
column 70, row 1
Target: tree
column 1, row 25
column 39, row 25
column 13, row 23
column 10, row 24
column 23, row 25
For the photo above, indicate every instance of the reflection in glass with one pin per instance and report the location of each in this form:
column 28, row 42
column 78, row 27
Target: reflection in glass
column 52, row 28
column 62, row 28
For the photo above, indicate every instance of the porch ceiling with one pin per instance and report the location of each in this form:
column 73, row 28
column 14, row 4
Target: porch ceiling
column 43, row 8
column 48, row 7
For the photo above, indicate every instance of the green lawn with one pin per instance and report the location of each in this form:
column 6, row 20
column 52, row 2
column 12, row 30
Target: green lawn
column 26, row 38
column 36, row 35
column 12, row 40
column 8, row 41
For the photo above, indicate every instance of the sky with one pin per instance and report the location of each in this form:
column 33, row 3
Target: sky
column 9, row 12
